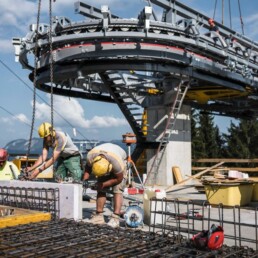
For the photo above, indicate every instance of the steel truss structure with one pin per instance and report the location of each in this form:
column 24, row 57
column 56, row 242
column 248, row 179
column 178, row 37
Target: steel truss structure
column 138, row 63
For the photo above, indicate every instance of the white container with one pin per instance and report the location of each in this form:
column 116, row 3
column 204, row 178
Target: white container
column 149, row 206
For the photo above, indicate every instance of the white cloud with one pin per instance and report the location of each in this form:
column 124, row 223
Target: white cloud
column 6, row 46
column 72, row 111
column 107, row 121
column 11, row 120
column 6, row 120
column 22, row 118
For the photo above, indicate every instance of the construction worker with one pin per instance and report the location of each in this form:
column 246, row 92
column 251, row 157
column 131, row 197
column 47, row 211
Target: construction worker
column 65, row 154
column 108, row 163
column 213, row 26
column 8, row 170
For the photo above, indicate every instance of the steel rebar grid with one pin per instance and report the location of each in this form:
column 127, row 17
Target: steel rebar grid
column 41, row 199
column 67, row 238
column 190, row 217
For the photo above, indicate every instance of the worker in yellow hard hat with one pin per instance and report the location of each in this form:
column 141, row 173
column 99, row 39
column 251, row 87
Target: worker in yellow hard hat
column 8, row 170
column 108, row 163
column 66, row 155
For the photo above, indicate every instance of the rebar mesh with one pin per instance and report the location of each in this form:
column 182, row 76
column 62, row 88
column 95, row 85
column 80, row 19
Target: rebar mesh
column 67, row 238
column 41, row 199
column 193, row 216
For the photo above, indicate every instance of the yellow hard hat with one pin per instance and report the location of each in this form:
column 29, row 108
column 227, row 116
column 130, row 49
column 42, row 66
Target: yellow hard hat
column 44, row 130
column 101, row 166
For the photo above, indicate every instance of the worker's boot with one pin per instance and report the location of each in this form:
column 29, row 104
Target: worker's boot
column 114, row 221
column 96, row 218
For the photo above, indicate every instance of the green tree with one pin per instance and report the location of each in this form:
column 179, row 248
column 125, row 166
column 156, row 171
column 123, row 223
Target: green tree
column 206, row 139
column 241, row 140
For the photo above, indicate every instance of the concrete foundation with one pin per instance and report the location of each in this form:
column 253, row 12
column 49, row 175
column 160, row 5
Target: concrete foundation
column 70, row 196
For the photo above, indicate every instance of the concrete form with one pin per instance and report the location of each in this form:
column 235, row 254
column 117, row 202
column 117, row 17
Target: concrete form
column 70, row 195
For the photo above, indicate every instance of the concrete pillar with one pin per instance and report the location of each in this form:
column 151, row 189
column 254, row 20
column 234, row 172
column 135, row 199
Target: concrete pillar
column 178, row 150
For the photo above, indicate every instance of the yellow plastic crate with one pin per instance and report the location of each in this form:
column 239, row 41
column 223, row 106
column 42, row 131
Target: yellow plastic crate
column 229, row 194
column 255, row 191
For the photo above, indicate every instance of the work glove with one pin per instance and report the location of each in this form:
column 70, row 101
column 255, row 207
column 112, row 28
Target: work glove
column 85, row 184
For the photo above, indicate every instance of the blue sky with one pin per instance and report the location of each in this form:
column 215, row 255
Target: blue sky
column 95, row 120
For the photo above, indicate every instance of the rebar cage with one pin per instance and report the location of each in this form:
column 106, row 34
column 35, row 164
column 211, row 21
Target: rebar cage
column 187, row 218
column 40, row 199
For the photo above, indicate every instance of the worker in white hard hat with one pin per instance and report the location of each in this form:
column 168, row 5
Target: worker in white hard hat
column 8, row 170
column 108, row 163
column 65, row 154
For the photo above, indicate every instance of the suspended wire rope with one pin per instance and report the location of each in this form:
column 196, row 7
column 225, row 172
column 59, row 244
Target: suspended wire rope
column 34, row 85
column 215, row 7
column 230, row 18
column 222, row 8
column 241, row 19
column 51, row 76
column 24, row 83
column 51, row 65
column 15, row 117
column 230, row 13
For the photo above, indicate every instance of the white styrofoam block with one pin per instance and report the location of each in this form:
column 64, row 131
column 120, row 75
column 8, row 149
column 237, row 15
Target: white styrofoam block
column 70, row 195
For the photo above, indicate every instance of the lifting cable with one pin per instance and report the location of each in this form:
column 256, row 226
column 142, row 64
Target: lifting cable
column 241, row 19
column 222, row 8
column 230, row 18
column 215, row 7
column 51, row 70
column 34, row 83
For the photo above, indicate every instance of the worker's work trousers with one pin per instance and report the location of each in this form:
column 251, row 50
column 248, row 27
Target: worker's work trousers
column 69, row 167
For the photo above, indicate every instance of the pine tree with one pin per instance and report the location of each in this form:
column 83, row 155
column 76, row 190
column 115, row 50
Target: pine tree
column 241, row 140
column 206, row 139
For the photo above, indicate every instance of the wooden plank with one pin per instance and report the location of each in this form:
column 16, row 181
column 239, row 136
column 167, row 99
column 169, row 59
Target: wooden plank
column 194, row 176
column 226, row 160
column 228, row 168
column 177, row 174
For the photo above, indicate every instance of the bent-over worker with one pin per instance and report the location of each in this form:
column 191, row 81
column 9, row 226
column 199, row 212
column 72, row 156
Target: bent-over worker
column 65, row 153
column 108, row 163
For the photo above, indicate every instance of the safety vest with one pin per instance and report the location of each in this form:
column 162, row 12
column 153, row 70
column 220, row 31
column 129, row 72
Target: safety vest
column 6, row 172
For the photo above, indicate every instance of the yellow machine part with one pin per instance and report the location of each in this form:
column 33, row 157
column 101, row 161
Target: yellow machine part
column 21, row 163
column 203, row 95
column 144, row 122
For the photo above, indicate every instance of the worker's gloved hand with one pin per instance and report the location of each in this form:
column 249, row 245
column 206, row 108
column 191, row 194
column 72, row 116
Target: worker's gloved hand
column 85, row 184
column 94, row 186
column 33, row 174
column 26, row 170
column 23, row 175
